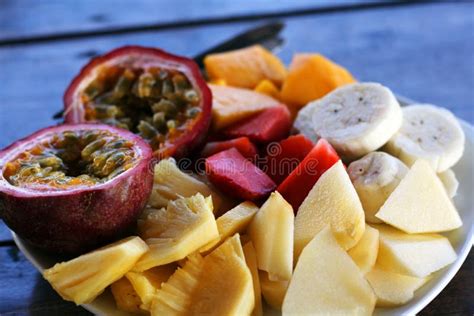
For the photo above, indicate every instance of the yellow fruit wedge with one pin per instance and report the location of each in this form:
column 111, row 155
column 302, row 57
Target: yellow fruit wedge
column 146, row 283
column 232, row 222
column 416, row 255
column 176, row 295
column 125, row 296
column 230, row 105
column 273, row 291
column 271, row 232
column 218, row 82
column 251, row 260
column 420, row 203
column 365, row 252
column 170, row 183
column 267, row 87
column 183, row 227
column 327, row 282
column 218, row 284
column 245, row 67
column 393, row 289
column 82, row 279
column 334, row 201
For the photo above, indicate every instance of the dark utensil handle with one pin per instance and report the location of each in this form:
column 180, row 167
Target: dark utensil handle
column 256, row 35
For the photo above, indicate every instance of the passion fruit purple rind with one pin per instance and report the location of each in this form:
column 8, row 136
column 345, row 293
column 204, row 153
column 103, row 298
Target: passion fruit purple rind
column 70, row 188
column 157, row 95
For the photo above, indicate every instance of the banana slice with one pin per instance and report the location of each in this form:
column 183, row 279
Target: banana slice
column 304, row 122
column 357, row 118
column 428, row 132
column 450, row 182
column 375, row 176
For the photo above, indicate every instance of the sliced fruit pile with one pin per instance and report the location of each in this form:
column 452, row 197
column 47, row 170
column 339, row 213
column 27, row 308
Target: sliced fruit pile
column 191, row 261
column 318, row 193
column 186, row 260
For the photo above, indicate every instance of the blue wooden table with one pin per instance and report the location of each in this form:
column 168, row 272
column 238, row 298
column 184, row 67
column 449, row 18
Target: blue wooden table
column 421, row 50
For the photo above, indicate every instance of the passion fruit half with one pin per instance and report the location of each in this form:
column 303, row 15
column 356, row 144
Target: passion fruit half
column 70, row 188
column 157, row 95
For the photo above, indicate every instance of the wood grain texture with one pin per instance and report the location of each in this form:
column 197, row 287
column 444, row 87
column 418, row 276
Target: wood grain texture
column 29, row 18
column 24, row 291
column 4, row 233
column 424, row 59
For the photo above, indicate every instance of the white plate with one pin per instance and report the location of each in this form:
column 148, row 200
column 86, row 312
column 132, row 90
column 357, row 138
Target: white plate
column 461, row 239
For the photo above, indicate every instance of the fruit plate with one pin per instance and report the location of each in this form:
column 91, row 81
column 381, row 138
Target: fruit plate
column 461, row 240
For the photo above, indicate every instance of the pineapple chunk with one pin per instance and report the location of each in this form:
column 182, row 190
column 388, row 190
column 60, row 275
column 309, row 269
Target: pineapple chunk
column 175, row 296
column 82, row 279
column 333, row 200
column 271, row 231
column 125, row 296
column 326, row 281
column 251, row 260
column 232, row 222
column 365, row 252
column 416, row 255
column 170, row 183
column 146, row 283
column 391, row 288
column 218, row 284
column 273, row 291
column 183, row 227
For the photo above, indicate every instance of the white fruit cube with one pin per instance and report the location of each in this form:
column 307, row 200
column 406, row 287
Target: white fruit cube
column 327, row 282
column 233, row 221
column 251, row 260
column 420, row 203
column 365, row 252
column 391, row 288
column 271, row 232
column 417, row 255
column 332, row 201
column 273, row 291
column 450, row 183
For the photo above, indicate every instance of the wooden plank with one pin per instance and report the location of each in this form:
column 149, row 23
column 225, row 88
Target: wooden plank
column 5, row 234
column 406, row 49
column 23, row 290
column 39, row 18
column 425, row 63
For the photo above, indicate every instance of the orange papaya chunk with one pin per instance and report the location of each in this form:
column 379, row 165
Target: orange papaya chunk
column 267, row 87
column 245, row 67
column 310, row 77
column 230, row 105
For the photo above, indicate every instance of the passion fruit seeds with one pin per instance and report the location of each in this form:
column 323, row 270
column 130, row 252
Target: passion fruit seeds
column 70, row 159
column 159, row 96
column 155, row 103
